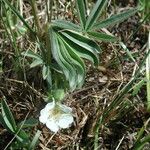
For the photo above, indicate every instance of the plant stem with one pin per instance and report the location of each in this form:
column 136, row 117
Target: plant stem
column 12, row 39
column 51, row 10
column 148, row 75
column 47, row 10
column 34, row 11
column 48, row 32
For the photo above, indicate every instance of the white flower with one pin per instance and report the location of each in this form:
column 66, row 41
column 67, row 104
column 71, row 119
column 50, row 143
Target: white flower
column 56, row 116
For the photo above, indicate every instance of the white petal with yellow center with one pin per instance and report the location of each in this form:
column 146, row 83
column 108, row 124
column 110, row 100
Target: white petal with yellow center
column 56, row 116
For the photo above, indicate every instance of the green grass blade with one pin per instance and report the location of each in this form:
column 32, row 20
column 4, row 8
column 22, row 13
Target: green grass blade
column 127, row 51
column 36, row 62
column 148, row 75
column 31, row 122
column 46, row 73
column 2, row 122
column 81, row 12
column 18, row 15
column 31, row 54
column 11, row 35
column 35, row 140
column 140, row 145
column 7, row 21
column 95, row 13
column 136, row 88
column 118, row 98
column 114, row 19
column 141, row 139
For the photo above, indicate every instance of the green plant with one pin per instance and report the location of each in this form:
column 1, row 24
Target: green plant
column 67, row 43
column 119, row 99
column 148, row 74
column 21, row 138
column 142, row 139
column 62, row 47
column 145, row 7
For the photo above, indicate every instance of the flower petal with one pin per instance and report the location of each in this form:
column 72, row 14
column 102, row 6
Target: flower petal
column 43, row 116
column 52, row 126
column 65, row 120
column 50, row 106
column 65, row 108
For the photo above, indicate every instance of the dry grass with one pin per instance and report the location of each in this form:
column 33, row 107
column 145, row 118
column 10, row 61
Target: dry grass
column 26, row 97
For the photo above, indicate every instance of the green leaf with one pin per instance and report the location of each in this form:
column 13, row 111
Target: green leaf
column 84, row 47
column 7, row 116
column 136, row 88
column 81, row 12
column 63, row 24
column 127, row 51
column 85, row 54
column 148, row 74
column 67, row 48
column 23, row 137
column 2, row 122
column 81, row 40
column 44, row 72
column 65, row 66
column 76, row 62
column 102, row 36
column 36, row 62
column 140, row 145
column 49, row 77
column 31, row 122
column 55, row 47
column 35, row 140
column 114, row 19
column 58, row 94
column 95, row 13
column 31, row 54
column 68, row 63
column 56, row 67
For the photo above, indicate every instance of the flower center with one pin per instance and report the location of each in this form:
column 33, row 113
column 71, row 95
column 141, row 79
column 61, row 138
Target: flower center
column 56, row 112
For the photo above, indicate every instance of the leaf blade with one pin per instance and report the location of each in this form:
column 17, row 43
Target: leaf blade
column 82, row 49
column 7, row 116
column 114, row 19
column 75, row 60
column 65, row 66
column 81, row 12
column 95, row 13
column 35, row 140
column 102, row 36
column 63, row 24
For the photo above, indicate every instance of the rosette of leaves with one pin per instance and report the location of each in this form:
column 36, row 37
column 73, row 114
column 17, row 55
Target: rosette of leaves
column 70, row 44
column 68, row 49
